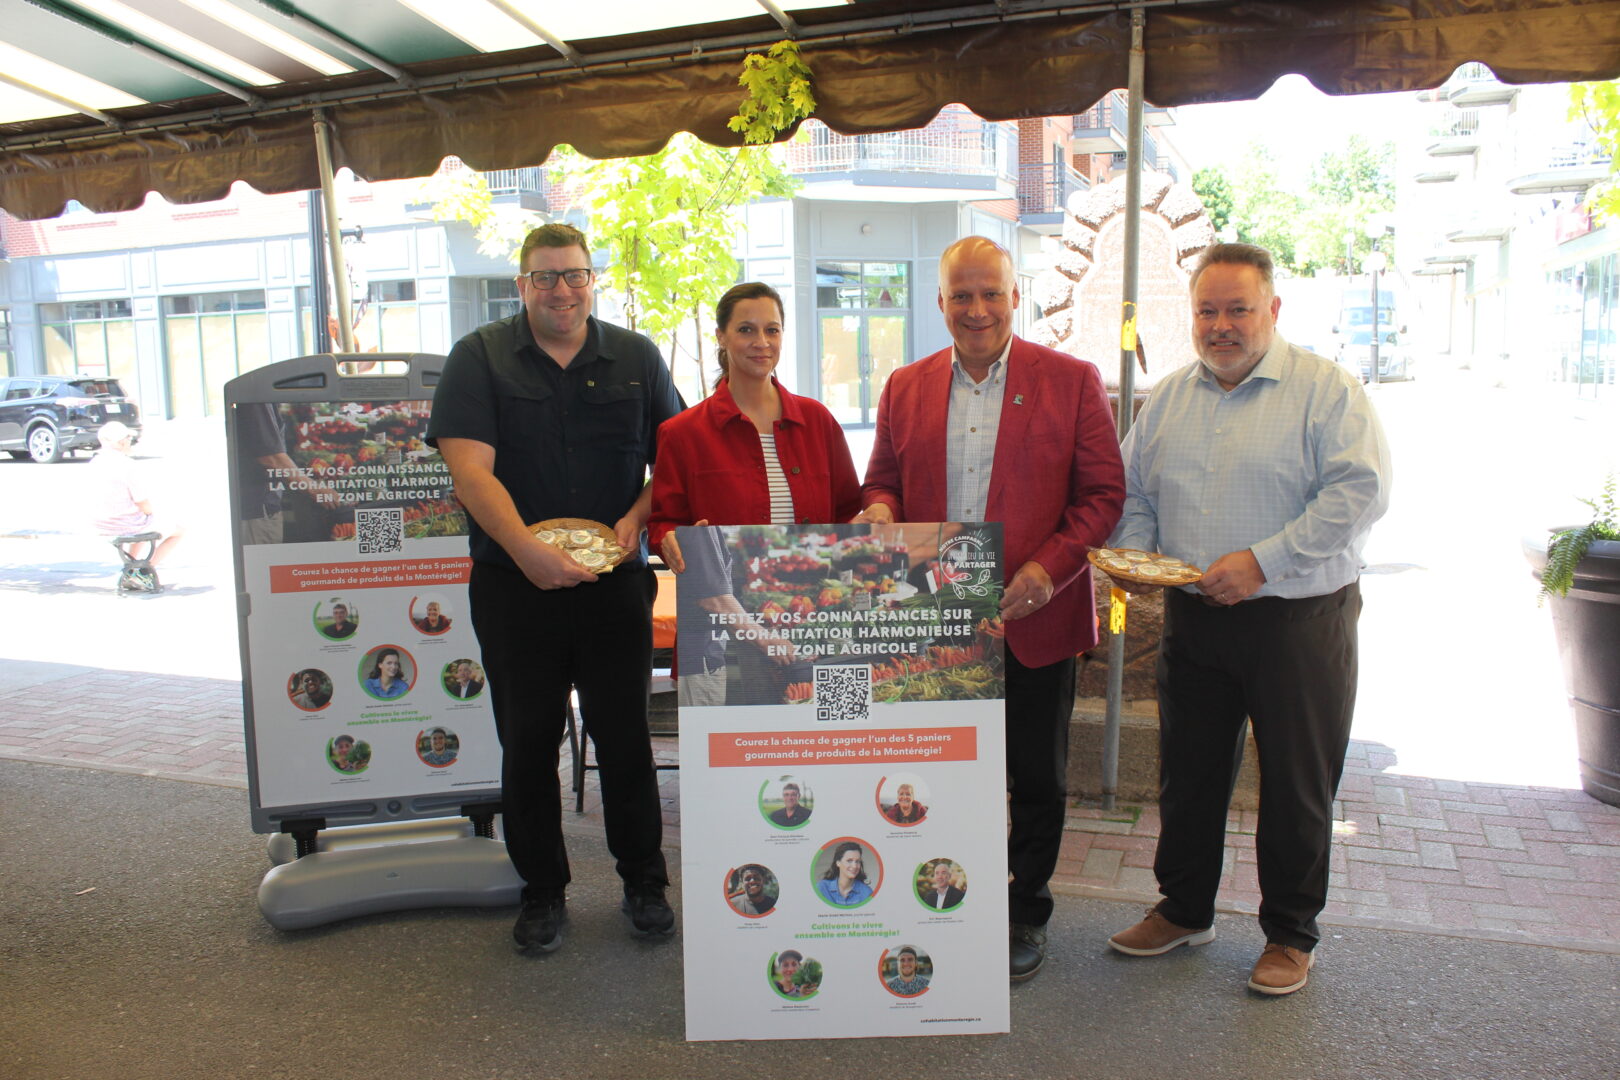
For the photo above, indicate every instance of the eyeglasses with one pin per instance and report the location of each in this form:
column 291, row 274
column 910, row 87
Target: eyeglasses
column 547, row 279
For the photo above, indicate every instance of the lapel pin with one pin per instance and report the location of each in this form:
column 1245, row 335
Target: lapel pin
column 1018, row 399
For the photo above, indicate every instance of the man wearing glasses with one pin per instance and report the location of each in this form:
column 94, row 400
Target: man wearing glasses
column 552, row 413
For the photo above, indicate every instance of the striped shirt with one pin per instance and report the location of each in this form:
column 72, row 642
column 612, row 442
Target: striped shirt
column 1291, row 464
column 970, row 436
column 776, row 480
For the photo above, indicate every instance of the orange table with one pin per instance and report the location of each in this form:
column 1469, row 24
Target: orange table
column 664, row 611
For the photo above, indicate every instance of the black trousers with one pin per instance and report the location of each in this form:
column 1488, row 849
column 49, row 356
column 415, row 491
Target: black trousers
column 1039, row 702
column 537, row 645
column 1289, row 666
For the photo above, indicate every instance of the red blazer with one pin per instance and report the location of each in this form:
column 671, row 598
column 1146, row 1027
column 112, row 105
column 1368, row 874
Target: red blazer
column 1057, row 485
column 711, row 465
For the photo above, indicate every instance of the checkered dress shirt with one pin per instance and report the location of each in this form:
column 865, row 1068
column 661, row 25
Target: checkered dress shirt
column 970, row 436
column 1291, row 463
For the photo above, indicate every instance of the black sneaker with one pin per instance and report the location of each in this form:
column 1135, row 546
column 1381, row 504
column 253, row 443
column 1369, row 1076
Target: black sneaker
column 649, row 912
column 539, row 925
column 1026, row 947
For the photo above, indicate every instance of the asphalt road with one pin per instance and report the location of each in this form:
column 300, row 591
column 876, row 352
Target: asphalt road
column 133, row 949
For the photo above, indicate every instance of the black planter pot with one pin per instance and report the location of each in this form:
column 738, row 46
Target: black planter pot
column 1587, row 626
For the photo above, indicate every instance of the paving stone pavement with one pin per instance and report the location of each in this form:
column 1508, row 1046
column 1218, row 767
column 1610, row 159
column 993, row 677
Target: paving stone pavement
column 1501, row 862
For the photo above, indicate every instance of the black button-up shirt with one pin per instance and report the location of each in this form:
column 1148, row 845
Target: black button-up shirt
column 569, row 442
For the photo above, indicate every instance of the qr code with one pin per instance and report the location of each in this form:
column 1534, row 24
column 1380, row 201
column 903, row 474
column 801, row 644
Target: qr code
column 843, row 692
column 380, row 531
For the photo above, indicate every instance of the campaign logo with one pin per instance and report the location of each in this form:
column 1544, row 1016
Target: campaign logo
column 965, row 567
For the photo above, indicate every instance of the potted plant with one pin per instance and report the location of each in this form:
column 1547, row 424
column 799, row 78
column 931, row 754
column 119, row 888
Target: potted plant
column 1579, row 569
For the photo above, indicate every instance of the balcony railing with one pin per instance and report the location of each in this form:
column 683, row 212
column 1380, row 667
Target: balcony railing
column 1044, row 188
column 518, row 181
column 956, row 143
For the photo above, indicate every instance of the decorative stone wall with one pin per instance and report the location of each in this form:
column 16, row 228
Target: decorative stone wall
column 1080, row 297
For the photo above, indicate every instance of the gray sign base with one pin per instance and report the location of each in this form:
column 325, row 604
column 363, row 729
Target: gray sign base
column 326, row 886
column 282, row 848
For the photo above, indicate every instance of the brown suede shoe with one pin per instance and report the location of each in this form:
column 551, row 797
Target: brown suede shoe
column 1281, row 969
column 1156, row 935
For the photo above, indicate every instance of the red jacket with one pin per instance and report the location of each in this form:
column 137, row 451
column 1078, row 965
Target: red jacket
column 1057, row 485
column 711, row 466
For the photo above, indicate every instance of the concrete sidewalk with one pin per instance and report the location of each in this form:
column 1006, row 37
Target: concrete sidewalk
column 133, row 950
column 1488, row 861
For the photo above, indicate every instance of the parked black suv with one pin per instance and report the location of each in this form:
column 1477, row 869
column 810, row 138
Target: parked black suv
column 47, row 416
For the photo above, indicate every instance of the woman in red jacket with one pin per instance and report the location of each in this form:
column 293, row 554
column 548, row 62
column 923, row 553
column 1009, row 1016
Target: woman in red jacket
column 750, row 454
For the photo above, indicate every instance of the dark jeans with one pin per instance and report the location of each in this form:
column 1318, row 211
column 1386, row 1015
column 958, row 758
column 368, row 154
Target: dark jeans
column 1039, row 701
column 1289, row 666
column 537, row 644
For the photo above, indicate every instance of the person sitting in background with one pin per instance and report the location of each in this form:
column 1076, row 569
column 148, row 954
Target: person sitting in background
column 120, row 501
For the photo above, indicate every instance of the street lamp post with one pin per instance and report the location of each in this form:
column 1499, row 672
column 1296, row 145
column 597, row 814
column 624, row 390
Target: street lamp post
column 1375, row 263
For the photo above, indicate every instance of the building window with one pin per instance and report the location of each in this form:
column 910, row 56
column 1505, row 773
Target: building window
column 862, row 284
column 501, row 300
column 89, row 337
column 388, row 319
column 209, row 339
column 7, row 366
column 863, row 330
column 385, row 319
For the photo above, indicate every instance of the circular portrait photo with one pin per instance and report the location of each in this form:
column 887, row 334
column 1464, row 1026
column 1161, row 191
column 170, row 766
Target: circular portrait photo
column 387, row 672
column 752, row 890
column 900, row 799
column 941, row 884
column 437, row 747
column 906, row 971
column 310, row 689
column 462, row 678
column 347, row 756
column 792, row 976
column 430, row 614
column 336, row 619
column 785, row 802
column 847, row 872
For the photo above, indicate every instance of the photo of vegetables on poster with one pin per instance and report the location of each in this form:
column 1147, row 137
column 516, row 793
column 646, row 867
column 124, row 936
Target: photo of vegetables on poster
column 917, row 605
column 844, row 858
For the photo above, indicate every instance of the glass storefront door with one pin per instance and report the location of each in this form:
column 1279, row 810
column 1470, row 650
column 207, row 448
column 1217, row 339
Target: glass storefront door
column 859, row 350
column 862, row 333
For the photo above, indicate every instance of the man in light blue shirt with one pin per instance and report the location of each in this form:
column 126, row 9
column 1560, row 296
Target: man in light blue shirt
column 1266, row 465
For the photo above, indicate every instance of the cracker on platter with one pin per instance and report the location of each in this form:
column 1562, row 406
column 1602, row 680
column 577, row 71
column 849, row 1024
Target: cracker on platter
column 590, row 543
column 1144, row 567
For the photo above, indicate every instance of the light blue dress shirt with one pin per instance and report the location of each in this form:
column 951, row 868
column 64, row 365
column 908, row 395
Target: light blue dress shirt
column 971, row 427
column 1291, row 464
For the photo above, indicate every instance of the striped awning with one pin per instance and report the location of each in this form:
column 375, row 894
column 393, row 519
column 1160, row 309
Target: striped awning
column 103, row 101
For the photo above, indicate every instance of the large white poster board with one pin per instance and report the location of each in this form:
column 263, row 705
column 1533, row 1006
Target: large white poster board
column 844, row 811
column 364, row 687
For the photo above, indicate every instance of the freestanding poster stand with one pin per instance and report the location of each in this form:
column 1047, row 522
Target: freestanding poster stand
column 843, row 780
column 371, row 746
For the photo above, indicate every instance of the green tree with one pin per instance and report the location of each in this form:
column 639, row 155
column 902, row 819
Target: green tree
column 1262, row 212
column 1215, row 192
column 1599, row 105
column 667, row 222
column 1349, row 191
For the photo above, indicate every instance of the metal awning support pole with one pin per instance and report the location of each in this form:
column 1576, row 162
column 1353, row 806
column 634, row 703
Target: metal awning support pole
column 1127, row 370
column 334, row 234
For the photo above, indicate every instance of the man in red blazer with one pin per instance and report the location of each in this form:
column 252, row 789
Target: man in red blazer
column 1000, row 429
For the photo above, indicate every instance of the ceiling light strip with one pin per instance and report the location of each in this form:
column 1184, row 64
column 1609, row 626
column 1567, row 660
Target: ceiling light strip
column 518, row 15
column 145, row 27
column 284, row 43
column 58, row 99
column 330, row 37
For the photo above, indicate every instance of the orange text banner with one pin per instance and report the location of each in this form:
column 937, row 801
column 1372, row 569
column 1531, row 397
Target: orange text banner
column 369, row 575
column 741, row 748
